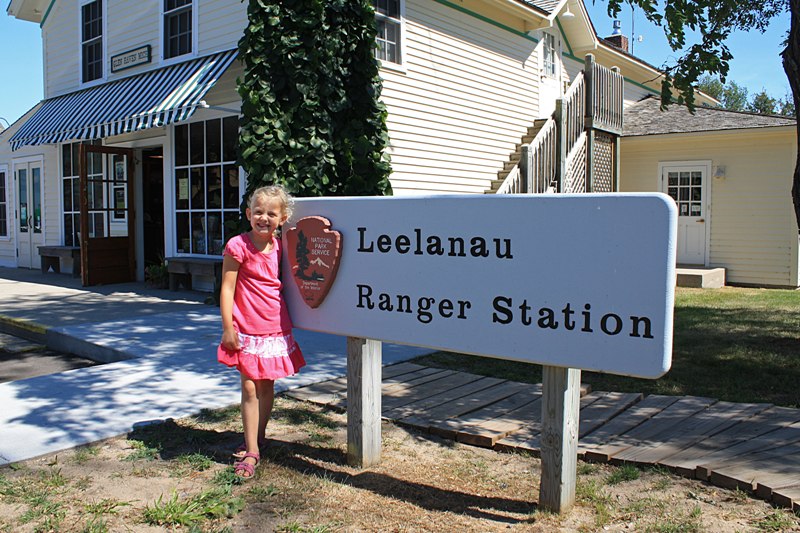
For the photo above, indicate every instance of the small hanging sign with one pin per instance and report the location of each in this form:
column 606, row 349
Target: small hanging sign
column 314, row 251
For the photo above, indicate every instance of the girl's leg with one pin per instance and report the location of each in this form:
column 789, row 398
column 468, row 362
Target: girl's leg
column 250, row 416
column 266, row 396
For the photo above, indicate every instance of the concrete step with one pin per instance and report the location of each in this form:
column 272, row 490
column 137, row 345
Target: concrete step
column 701, row 278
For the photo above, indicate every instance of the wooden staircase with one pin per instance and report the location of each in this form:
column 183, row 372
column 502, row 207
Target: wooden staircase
column 514, row 157
column 576, row 149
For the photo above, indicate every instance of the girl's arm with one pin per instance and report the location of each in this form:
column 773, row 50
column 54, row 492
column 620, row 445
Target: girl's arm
column 230, row 271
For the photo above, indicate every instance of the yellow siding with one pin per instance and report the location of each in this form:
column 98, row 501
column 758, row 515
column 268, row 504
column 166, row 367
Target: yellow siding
column 753, row 233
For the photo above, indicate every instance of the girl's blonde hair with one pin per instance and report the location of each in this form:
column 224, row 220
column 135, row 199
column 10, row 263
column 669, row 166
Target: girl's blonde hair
column 274, row 191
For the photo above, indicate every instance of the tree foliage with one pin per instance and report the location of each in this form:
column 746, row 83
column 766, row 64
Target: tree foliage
column 712, row 21
column 311, row 115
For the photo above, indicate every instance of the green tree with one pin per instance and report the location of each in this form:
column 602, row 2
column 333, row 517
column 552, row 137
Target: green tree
column 712, row 21
column 312, row 119
column 763, row 103
column 730, row 95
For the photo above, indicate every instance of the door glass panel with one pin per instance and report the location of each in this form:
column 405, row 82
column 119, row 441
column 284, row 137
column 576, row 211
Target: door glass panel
column 686, row 188
column 22, row 180
column 36, row 200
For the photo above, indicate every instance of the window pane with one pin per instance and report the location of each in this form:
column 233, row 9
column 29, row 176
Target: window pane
column 214, row 186
column 181, row 146
column 214, row 233
column 196, row 145
column 230, row 188
column 230, row 138
column 231, row 225
column 67, row 186
column 182, row 232
column 66, row 160
column 198, row 233
column 213, row 141
column 68, row 231
column 182, row 189
column 198, row 189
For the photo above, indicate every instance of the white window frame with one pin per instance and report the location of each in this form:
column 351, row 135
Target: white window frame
column 171, row 192
column 550, row 66
column 401, row 42
column 4, row 175
column 163, row 32
column 104, row 43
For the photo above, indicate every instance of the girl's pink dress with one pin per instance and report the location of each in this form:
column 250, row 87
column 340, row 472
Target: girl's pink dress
column 268, row 349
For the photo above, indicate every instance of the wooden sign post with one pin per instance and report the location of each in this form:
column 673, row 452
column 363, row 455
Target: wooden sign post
column 566, row 281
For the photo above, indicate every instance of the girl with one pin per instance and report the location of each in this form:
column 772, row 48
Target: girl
column 256, row 328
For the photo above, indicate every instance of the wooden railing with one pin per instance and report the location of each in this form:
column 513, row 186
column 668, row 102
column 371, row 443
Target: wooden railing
column 604, row 102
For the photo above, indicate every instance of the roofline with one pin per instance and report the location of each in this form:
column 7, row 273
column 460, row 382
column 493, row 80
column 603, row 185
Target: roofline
column 727, row 131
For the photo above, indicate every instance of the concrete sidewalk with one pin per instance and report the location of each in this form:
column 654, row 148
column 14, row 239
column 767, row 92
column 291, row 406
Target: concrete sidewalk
column 163, row 345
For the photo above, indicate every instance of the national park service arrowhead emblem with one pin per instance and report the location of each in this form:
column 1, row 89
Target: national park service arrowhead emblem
column 314, row 251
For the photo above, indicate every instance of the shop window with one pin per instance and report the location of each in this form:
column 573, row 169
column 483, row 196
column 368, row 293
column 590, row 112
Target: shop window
column 389, row 23
column 71, row 197
column 3, row 202
column 207, row 195
column 177, row 28
column 92, row 41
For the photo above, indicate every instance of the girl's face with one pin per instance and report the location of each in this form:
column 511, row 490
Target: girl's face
column 265, row 215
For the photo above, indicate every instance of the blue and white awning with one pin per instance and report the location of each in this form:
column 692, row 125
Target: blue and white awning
column 148, row 100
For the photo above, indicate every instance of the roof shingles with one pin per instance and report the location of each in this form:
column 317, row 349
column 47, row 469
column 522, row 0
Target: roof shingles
column 646, row 118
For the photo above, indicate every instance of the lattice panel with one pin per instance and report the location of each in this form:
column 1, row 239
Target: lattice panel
column 603, row 162
column 576, row 172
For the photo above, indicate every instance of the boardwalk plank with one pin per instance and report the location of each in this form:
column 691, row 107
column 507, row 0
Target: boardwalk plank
column 488, row 433
column 772, row 440
column 773, row 468
column 527, row 438
column 654, row 429
column 394, row 385
column 399, row 369
column 788, row 497
column 624, row 422
column 402, row 394
column 465, row 423
column 421, row 406
column 323, row 393
column 464, row 405
column 685, row 462
column 692, row 430
column 604, row 409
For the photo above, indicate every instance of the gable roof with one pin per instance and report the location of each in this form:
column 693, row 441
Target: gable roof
column 646, row 118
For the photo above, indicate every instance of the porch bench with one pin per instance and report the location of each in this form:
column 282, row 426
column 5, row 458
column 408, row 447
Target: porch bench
column 51, row 258
column 181, row 270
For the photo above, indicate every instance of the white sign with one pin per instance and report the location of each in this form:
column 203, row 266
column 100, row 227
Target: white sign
column 131, row 58
column 580, row 281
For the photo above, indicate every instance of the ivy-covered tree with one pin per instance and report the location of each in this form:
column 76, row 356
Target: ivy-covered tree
column 712, row 22
column 312, row 119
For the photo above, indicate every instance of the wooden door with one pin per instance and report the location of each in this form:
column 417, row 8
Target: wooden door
column 107, row 224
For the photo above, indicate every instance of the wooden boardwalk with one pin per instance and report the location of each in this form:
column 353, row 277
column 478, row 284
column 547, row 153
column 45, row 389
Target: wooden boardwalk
column 755, row 447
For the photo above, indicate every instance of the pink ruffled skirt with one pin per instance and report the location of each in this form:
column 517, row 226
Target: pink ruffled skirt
column 264, row 356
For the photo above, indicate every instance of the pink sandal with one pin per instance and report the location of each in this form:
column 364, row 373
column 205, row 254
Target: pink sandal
column 240, row 450
column 246, row 470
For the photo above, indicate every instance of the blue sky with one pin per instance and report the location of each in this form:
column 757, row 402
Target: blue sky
column 756, row 62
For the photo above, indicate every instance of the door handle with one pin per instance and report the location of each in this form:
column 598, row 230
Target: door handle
column 701, row 220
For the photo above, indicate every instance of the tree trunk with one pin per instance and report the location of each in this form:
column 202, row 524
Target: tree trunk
column 791, row 65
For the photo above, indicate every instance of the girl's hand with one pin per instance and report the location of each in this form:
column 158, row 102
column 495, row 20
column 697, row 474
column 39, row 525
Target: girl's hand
column 230, row 340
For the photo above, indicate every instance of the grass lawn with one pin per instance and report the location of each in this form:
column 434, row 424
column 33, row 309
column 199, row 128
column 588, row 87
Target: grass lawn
column 733, row 344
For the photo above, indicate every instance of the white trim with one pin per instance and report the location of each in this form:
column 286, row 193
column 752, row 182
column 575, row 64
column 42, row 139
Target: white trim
column 706, row 164
column 103, row 38
column 402, row 48
column 195, row 40
column 6, row 176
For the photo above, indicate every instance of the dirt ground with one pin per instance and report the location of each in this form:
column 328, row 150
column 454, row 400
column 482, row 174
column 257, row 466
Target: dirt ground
column 176, row 476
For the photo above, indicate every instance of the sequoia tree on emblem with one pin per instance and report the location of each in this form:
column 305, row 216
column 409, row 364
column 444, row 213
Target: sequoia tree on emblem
column 314, row 251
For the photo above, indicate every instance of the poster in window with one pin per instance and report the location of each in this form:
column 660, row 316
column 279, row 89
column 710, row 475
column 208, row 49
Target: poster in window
column 119, row 203
column 119, row 170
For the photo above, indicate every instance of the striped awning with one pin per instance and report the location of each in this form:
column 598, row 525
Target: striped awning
column 148, row 100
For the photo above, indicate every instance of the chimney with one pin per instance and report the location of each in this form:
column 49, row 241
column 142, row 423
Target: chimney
column 617, row 39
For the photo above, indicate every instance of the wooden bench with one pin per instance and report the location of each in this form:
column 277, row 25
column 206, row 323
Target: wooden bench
column 181, row 270
column 51, row 258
